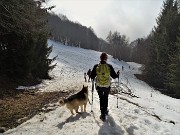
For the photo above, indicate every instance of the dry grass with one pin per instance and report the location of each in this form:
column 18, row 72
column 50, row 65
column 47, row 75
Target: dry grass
column 24, row 104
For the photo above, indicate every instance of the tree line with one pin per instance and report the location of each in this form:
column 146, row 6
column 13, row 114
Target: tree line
column 160, row 50
column 72, row 33
column 163, row 68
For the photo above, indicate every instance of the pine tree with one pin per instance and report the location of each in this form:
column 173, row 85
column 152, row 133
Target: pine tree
column 23, row 40
column 174, row 72
column 163, row 45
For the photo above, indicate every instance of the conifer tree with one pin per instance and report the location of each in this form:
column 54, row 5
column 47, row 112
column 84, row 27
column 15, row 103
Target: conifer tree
column 174, row 72
column 23, row 39
column 163, row 45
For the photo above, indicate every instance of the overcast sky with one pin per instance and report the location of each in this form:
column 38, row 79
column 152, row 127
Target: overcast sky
column 134, row 18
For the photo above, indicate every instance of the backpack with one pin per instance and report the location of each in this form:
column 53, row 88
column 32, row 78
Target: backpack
column 103, row 75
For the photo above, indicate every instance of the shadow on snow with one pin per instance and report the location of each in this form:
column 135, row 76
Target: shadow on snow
column 73, row 118
column 109, row 127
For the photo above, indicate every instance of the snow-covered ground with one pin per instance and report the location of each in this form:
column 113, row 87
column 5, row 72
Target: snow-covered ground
column 151, row 114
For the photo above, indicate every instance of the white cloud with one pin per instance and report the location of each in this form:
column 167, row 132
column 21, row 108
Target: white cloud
column 134, row 18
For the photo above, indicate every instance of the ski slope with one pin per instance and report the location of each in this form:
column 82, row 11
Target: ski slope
column 134, row 116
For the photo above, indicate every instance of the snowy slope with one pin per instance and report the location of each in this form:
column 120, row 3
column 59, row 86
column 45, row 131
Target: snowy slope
column 150, row 114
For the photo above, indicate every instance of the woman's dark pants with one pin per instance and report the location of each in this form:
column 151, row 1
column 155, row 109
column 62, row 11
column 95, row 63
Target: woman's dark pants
column 103, row 93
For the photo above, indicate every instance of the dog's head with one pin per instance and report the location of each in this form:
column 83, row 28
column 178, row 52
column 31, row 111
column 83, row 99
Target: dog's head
column 85, row 89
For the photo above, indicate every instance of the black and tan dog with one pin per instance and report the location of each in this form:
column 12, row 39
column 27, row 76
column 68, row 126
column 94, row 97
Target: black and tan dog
column 79, row 99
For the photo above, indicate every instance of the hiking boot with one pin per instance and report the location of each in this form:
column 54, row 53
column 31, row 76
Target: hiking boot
column 103, row 117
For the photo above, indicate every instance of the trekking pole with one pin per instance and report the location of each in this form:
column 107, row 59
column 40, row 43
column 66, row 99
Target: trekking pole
column 117, row 91
column 92, row 94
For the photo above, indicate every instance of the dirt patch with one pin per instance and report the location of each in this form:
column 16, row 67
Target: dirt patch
column 24, row 105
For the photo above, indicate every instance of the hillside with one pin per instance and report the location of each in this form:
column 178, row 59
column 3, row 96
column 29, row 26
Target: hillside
column 148, row 112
